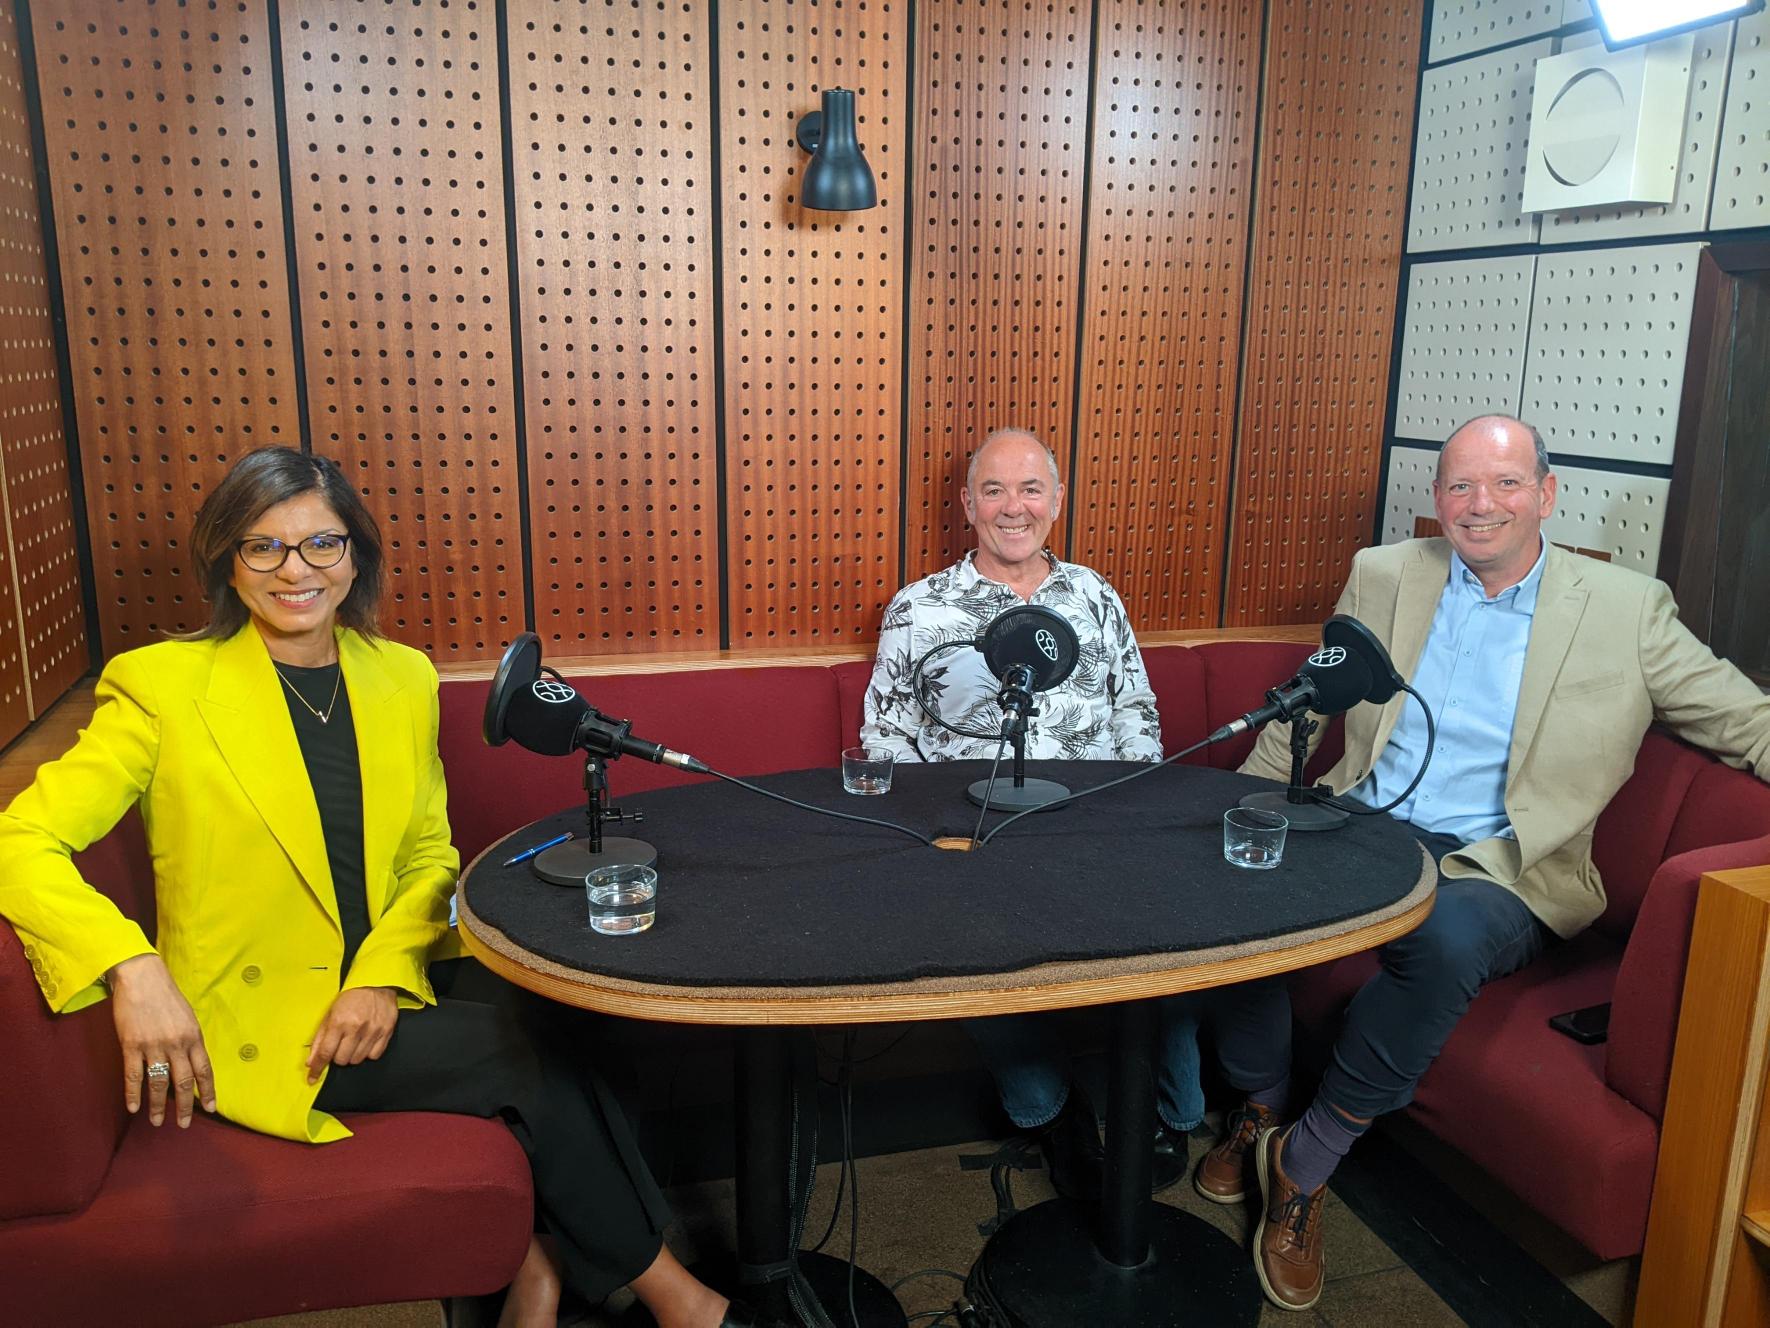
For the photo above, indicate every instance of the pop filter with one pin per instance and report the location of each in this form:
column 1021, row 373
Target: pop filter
column 520, row 666
column 1344, row 632
column 1031, row 635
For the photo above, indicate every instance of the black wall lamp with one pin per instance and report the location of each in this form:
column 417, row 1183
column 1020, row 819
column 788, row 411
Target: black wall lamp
column 837, row 178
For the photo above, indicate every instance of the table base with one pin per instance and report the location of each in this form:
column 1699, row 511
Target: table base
column 874, row 1305
column 1043, row 1269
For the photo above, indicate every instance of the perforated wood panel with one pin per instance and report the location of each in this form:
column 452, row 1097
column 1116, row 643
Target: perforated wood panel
column 1462, row 353
column 163, row 159
column 396, row 183
column 1688, row 210
column 1474, row 127
column 611, row 127
column 44, row 567
column 1462, row 27
column 813, row 325
column 1609, row 330
column 1595, row 510
column 1333, row 165
column 1173, row 148
column 1742, row 172
column 1001, row 119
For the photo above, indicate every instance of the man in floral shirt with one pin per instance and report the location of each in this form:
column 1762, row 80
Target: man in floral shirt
column 1105, row 710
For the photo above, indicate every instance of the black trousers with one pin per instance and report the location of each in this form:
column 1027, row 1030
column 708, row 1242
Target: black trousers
column 593, row 1191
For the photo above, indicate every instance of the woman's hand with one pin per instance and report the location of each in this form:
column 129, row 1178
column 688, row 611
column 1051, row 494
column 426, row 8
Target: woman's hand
column 156, row 1027
column 356, row 1028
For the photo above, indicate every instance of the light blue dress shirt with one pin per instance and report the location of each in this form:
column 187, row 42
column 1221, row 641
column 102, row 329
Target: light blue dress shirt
column 1469, row 673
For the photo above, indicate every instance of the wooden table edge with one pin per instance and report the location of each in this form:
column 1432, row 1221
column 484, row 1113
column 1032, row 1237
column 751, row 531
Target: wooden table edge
column 901, row 1002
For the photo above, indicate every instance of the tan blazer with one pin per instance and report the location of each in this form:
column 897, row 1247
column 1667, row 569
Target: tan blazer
column 197, row 733
column 1607, row 657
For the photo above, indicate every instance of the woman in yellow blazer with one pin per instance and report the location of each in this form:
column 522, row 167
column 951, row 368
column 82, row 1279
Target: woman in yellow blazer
column 285, row 764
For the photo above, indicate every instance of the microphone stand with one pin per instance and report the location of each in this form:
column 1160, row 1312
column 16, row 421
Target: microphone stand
column 569, row 863
column 1023, row 794
column 1298, row 803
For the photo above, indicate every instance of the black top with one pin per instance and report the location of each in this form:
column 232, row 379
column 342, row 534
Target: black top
column 751, row 893
column 329, row 750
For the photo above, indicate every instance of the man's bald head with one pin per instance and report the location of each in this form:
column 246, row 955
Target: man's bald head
column 1500, row 429
column 1016, row 435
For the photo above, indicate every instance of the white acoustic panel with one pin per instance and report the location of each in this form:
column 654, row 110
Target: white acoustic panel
column 1469, row 152
column 1602, row 510
column 1742, row 174
column 1688, row 210
column 1576, row 11
column 1462, row 27
column 1608, row 333
column 1462, row 352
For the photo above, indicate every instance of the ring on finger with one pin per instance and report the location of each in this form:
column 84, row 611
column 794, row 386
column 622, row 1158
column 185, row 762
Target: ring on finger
column 159, row 1070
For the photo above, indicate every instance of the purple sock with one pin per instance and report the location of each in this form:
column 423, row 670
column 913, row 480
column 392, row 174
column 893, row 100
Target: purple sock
column 1273, row 1099
column 1316, row 1144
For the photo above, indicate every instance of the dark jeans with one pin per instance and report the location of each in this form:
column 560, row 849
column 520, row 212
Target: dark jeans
column 1399, row 1021
column 592, row 1189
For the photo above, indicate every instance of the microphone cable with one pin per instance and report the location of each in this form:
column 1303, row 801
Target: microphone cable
column 917, row 684
column 1328, row 800
column 1082, row 793
column 821, row 811
column 989, row 788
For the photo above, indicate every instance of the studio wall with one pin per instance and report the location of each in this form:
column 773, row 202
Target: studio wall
column 536, row 274
column 1582, row 320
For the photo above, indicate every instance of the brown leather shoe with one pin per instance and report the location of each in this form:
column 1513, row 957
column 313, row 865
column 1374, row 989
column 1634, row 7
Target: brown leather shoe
column 1222, row 1175
column 1287, row 1238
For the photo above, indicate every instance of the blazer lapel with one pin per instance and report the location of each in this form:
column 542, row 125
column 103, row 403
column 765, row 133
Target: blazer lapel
column 1560, row 601
column 248, row 718
column 1423, row 579
column 384, row 741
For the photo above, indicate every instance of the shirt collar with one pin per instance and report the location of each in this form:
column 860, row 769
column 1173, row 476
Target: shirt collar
column 1521, row 597
column 970, row 576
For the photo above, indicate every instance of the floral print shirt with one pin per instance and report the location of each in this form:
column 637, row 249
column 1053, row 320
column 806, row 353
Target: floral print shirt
column 1104, row 710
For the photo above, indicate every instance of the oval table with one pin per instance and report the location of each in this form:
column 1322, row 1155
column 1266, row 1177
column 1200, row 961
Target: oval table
column 772, row 918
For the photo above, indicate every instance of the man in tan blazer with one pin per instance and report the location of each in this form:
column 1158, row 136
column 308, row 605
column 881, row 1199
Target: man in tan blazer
column 1544, row 669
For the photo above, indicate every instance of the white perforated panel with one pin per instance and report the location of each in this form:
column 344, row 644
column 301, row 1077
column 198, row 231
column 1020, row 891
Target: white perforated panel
column 1596, row 510
column 1576, row 11
column 1688, row 210
column 1462, row 27
column 1607, row 340
column 1742, row 174
column 1469, row 152
column 1463, row 350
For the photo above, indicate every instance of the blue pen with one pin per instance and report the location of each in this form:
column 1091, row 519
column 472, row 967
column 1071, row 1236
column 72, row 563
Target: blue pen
column 528, row 853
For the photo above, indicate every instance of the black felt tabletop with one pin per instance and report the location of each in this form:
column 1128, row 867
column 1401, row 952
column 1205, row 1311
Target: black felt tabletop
column 754, row 893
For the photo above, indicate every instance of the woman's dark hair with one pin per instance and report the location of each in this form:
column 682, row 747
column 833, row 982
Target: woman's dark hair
column 257, row 482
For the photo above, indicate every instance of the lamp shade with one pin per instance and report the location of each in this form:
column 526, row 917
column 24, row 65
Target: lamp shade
column 837, row 178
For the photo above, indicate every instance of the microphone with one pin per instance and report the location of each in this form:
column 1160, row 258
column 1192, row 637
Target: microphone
column 1350, row 667
column 549, row 716
column 1039, row 644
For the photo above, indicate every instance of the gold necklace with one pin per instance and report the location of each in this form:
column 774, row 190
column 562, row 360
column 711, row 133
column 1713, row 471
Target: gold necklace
column 324, row 716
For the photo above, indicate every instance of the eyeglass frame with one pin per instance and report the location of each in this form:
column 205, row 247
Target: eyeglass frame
column 299, row 547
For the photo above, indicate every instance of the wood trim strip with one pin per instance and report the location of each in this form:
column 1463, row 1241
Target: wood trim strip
column 1714, row 1109
column 1049, row 987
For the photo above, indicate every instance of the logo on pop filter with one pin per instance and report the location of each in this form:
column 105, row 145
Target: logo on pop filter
column 1047, row 644
column 1329, row 657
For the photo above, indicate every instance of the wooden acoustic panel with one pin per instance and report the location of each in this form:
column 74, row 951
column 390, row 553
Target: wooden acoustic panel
column 396, row 187
column 163, row 159
column 1001, row 127
column 42, row 619
column 813, row 325
column 1332, row 211
column 611, row 133
column 1167, row 224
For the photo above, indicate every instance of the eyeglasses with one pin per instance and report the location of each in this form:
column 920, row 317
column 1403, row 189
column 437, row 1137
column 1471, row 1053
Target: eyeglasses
column 263, row 554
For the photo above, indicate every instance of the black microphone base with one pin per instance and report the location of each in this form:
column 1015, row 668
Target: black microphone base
column 1007, row 798
column 1306, row 816
column 569, row 863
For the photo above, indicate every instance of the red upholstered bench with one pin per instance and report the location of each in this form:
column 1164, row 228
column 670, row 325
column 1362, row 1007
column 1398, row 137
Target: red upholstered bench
column 1573, row 1131
column 104, row 1218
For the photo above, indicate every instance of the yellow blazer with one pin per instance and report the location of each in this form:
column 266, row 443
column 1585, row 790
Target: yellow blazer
column 1607, row 657
column 198, row 734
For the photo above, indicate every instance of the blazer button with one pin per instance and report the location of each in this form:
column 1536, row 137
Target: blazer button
column 251, row 975
column 249, row 1051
